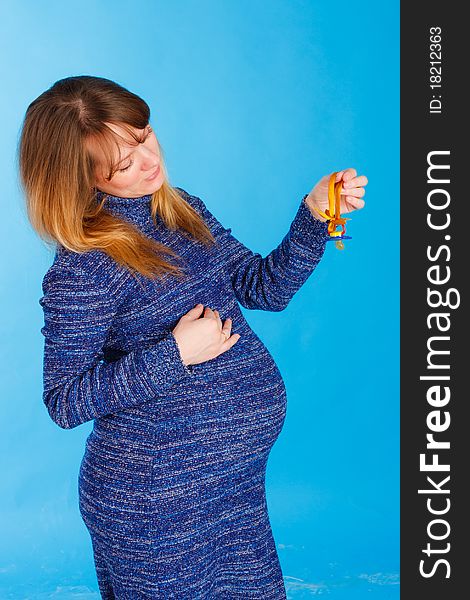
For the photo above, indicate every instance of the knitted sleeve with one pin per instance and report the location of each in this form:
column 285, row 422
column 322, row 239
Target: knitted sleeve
column 77, row 385
column 269, row 283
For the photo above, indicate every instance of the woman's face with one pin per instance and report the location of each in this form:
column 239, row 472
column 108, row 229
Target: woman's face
column 139, row 172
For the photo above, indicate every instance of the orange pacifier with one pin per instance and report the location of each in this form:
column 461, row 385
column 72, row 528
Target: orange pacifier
column 333, row 213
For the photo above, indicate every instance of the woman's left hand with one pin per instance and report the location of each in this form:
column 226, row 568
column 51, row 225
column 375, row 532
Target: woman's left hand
column 352, row 190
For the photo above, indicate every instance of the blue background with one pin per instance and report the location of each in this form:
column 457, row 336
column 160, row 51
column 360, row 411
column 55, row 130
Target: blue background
column 253, row 102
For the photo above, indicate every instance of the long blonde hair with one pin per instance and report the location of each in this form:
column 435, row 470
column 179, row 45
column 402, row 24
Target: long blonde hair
column 57, row 175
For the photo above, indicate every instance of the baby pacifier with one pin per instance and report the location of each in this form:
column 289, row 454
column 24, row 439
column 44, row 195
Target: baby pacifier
column 333, row 214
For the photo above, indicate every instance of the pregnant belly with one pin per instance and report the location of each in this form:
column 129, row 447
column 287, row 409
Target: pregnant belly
column 236, row 401
column 250, row 389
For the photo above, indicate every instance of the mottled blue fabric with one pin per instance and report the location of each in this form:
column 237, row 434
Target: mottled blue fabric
column 172, row 482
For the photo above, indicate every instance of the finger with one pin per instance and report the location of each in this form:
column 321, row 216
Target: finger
column 208, row 312
column 233, row 339
column 356, row 192
column 349, row 174
column 193, row 313
column 227, row 328
column 359, row 181
column 346, row 174
column 216, row 313
column 355, row 202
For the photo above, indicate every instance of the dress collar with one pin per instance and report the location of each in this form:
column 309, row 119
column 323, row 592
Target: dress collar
column 134, row 209
column 124, row 203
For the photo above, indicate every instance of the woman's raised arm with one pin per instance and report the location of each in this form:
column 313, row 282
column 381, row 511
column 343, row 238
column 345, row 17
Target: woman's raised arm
column 269, row 283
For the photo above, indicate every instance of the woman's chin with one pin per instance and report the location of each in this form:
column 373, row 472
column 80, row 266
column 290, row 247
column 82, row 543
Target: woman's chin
column 153, row 186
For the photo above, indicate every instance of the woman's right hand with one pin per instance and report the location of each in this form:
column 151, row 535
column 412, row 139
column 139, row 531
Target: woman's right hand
column 200, row 340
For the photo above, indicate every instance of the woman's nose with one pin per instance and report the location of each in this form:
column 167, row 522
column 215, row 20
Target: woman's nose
column 150, row 166
column 150, row 160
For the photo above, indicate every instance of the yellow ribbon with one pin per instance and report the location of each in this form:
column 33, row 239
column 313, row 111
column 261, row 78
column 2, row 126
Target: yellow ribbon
column 333, row 212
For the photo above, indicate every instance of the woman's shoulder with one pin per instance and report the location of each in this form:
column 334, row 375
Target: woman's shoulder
column 182, row 192
column 200, row 207
column 191, row 199
column 93, row 266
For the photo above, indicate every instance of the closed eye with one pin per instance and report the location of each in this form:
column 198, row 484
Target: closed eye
column 132, row 162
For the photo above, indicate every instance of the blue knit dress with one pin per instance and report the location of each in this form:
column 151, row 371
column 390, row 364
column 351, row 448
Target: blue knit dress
column 172, row 482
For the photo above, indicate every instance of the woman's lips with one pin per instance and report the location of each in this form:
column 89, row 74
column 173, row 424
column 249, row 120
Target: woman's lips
column 155, row 175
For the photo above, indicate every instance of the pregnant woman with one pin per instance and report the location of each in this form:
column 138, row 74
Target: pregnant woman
column 144, row 336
